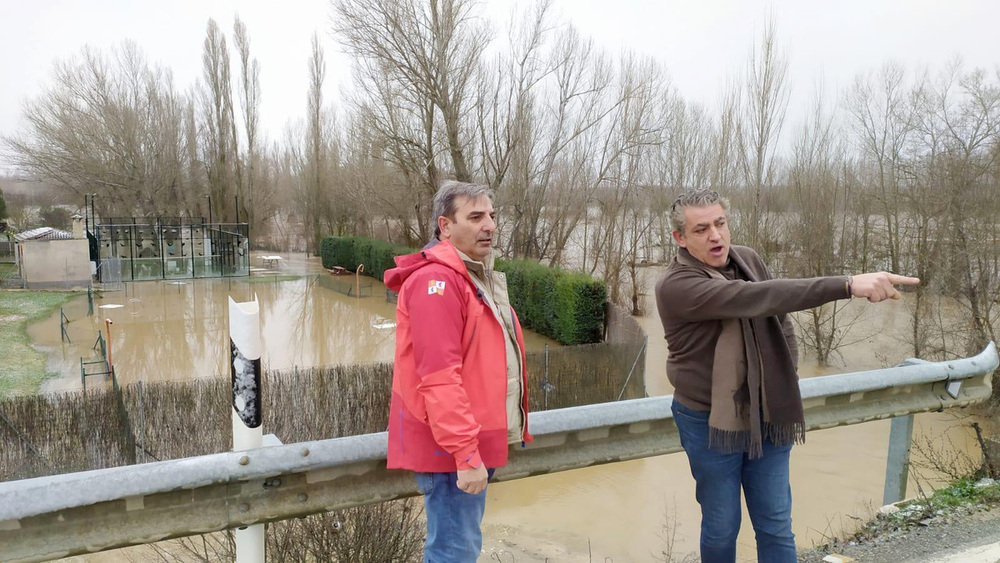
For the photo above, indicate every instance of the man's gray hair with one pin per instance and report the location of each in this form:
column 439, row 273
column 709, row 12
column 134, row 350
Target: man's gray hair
column 444, row 200
column 694, row 198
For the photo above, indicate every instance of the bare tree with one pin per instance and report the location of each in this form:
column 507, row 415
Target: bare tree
column 546, row 185
column 218, row 145
column 429, row 48
column 505, row 94
column 884, row 121
column 763, row 106
column 967, row 107
column 726, row 142
column 686, row 160
column 918, row 216
column 820, row 188
column 110, row 125
column 250, row 102
column 634, row 133
column 194, row 169
column 402, row 133
column 315, row 166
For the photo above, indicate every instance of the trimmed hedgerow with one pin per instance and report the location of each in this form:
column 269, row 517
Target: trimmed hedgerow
column 579, row 309
column 350, row 252
column 565, row 306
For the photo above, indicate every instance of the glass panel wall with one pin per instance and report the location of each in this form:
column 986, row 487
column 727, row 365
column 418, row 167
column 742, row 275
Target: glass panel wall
column 175, row 248
column 176, row 251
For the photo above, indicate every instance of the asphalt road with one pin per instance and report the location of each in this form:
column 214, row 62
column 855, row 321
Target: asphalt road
column 958, row 538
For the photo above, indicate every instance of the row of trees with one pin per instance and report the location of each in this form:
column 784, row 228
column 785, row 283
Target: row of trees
column 585, row 149
column 910, row 184
column 116, row 126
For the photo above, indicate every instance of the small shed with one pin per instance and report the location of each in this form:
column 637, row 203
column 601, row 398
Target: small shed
column 53, row 259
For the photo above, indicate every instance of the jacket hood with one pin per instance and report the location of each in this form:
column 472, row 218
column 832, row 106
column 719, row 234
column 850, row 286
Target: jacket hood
column 443, row 253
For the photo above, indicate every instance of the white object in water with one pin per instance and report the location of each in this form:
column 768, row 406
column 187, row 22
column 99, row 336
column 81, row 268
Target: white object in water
column 271, row 261
column 383, row 323
column 110, row 306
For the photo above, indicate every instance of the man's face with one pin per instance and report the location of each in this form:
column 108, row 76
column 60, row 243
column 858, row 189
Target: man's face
column 706, row 234
column 472, row 229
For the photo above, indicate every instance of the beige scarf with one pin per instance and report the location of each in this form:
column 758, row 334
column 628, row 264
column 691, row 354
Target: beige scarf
column 753, row 395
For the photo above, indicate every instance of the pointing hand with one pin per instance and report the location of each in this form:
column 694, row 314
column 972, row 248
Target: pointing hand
column 878, row 286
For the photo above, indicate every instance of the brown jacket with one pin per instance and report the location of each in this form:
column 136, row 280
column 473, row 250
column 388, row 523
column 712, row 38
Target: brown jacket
column 692, row 305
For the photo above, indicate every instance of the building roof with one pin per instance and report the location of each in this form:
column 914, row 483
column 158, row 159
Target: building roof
column 43, row 233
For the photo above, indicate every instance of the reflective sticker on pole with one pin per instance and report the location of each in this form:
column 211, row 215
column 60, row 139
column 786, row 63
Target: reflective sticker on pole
column 245, row 348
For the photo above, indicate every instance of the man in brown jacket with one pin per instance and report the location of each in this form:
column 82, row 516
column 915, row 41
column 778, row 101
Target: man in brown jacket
column 732, row 363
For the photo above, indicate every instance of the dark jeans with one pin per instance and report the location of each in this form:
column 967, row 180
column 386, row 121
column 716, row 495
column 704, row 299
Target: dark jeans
column 454, row 519
column 718, row 479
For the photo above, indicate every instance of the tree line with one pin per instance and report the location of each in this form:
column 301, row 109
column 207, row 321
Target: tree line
column 586, row 150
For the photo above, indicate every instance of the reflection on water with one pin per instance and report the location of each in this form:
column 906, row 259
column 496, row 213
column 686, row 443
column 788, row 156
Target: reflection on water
column 172, row 330
column 618, row 510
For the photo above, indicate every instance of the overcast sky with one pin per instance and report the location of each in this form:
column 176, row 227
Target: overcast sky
column 701, row 42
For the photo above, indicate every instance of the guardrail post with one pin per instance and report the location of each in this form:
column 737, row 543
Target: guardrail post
column 898, row 462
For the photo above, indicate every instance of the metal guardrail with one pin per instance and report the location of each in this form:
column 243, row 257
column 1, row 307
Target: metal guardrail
column 62, row 515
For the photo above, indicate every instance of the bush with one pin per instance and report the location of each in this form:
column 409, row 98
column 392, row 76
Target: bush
column 338, row 251
column 565, row 306
column 579, row 308
column 350, row 252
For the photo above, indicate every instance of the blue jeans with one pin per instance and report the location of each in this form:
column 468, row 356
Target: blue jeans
column 454, row 519
column 718, row 479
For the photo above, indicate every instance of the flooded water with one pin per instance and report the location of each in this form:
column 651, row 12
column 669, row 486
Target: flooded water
column 620, row 512
column 616, row 512
column 174, row 330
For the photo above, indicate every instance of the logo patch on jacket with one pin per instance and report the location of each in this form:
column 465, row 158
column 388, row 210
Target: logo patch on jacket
column 434, row 286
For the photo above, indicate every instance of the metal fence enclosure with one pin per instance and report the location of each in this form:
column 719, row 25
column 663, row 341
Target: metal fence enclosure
column 173, row 248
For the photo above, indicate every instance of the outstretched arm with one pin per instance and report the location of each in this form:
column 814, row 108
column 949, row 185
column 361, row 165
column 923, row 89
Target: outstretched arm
column 691, row 296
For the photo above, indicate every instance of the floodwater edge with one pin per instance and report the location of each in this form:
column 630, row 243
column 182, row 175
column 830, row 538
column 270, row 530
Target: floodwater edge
column 24, row 367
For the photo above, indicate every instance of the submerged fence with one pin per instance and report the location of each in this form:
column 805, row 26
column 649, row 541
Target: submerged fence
column 110, row 427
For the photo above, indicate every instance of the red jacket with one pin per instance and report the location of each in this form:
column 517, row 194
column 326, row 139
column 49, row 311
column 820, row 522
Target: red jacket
column 449, row 382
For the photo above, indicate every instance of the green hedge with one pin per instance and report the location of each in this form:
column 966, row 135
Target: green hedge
column 349, row 252
column 565, row 306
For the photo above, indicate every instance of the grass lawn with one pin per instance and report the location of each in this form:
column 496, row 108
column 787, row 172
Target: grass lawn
column 22, row 368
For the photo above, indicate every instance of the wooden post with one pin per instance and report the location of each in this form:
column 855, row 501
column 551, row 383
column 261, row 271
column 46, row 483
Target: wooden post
column 357, row 279
column 107, row 325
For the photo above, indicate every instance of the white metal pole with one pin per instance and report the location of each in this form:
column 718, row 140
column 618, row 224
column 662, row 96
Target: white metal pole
column 245, row 351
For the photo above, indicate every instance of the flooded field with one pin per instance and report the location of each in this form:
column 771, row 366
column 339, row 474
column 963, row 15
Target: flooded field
column 174, row 330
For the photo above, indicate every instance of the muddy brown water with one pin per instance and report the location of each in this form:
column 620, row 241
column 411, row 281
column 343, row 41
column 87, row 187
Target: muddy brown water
column 629, row 511
column 178, row 329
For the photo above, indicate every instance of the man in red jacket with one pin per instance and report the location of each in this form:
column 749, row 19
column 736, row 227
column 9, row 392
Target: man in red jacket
column 459, row 391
